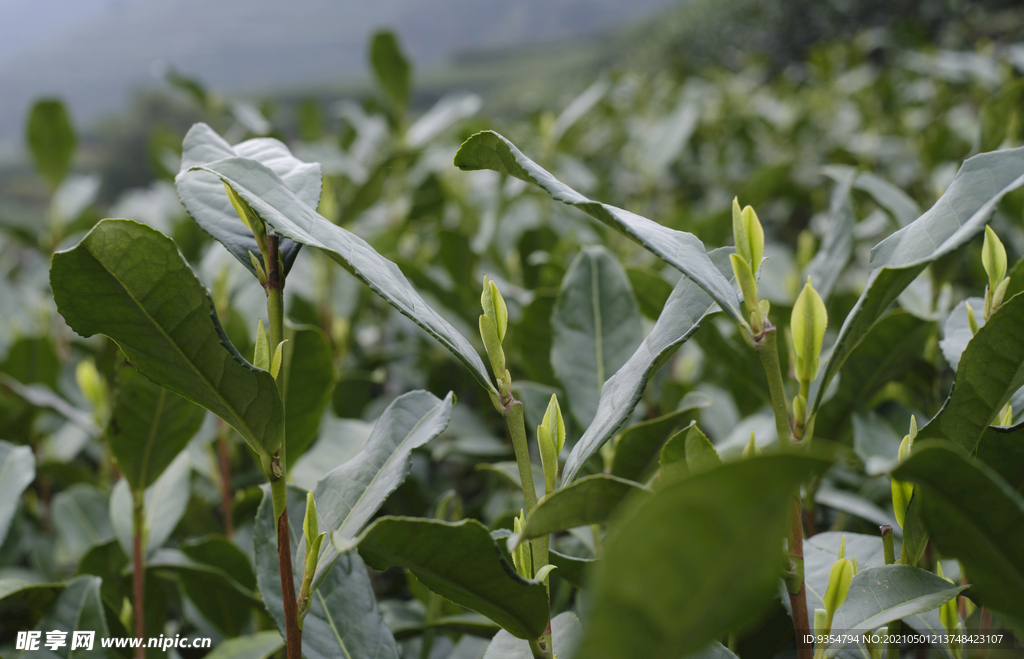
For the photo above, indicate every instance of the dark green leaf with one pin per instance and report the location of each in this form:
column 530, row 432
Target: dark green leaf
column 148, row 427
column 22, row 602
column 130, row 282
column 991, row 369
column 566, row 633
column 291, row 217
column 79, row 607
column 203, row 195
column 257, row 646
column 837, row 243
column 955, row 218
column 657, row 593
column 349, row 495
column 343, row 619
column 688, row 452
column 391, row 69
column 640, row 444
column 683, row 251
column 1002, row 449
column 596, row 328
column 899, row 204
column 875, row 443
column 956, row 331
column 996, row 115
column 17, row 471
column 590, row 500
column 459, row 561
column 652, row 291
column 975, row 516
column 855, row 504
column 308, row 374
column 51, row 139
column 571, row 568
column 81, row 520
column 679, row 319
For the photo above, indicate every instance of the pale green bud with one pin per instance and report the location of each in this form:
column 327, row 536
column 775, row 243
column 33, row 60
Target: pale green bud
column 90, row 382
column 261, row 355
column 993, row 257
column 751, row 449
column 838, row 585
column 261, row 274
column 799, row 408
column 948, row 615
column 1000, row 293
column 748, row 235
column 806, row 245
column 248, row 216
column 842, row 548
column 1005, row 417
column 275, row 363
column 313, row 554
column 494, row 307
column 808, row 323
column 550, row 439
column 311, row 522
column 821, row 625
column 856, row 568
column 522, row 557
column 492, row 346
column 747, row 284
column 972, row 319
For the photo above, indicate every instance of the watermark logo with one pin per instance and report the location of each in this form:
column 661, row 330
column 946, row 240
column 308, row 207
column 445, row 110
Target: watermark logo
column 54, row 640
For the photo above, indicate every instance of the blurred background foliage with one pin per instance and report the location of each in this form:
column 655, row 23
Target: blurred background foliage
column 809, row 111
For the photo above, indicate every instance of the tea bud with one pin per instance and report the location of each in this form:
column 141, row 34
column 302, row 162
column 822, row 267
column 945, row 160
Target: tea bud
column 248, row 216
column 838, row 585
column 494, row 307
column 90, row 382
column 748, row 287
column 261, row 355
column 821, row 625
column 751, row 449
column 993, row 257
column 551, row 438
column 972, row 319
column 808, row 323
column 748, row 235
column 311, row 522
column 492, row 346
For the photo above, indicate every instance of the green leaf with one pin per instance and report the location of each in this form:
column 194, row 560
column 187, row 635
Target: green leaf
column 51, row 139
column 837, row 244
column 459, row 561
column 855, row 504
column 596, row 325
column 1002, row 449
column 652, row 291
column 958, row 215
column 590, row 500
column 973, row 515
column 391, row 69
column 81, row 520
column 688, row 452
column 203, row 196
column 957, row 332
column 291, row 217
column 79, row 607
column 308, row 378
column 996, row 115
column 131, row 283
column 883, row 593
column 349, row 495
column 566, row 633
column 218, row 595
column 659, row 594
column 17, row 471
column 23, row 602
column 991, row 369
column 899, row 204
column 640, row 444
column 257, row 646
column 343, row 620
column 678, row 321
column 165, row 502
column 892, row 348
column 571, row 568
column 148, row 427
column 681, row 250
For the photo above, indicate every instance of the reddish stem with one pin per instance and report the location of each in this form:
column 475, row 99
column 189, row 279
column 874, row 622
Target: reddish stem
column 798, row 602
column 293, row 640
column 139, row 574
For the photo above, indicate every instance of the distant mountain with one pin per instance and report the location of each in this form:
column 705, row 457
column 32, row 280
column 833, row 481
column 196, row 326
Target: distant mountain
column 100, row 50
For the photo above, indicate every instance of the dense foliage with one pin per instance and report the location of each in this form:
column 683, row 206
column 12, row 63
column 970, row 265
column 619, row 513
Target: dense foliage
column 347, row 342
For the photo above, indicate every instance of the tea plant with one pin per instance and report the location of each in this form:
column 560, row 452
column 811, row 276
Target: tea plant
column 682, row 419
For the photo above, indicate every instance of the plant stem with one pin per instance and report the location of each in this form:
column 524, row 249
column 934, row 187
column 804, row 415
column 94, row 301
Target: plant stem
column 892, row 648
column 539, row 546
column 539, row 651
column 225, row 477
column 139, row 569
column 798, row 601
column 769, row 351
column 278, row 483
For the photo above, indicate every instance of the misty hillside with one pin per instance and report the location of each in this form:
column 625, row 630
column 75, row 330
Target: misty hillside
column 253, row 46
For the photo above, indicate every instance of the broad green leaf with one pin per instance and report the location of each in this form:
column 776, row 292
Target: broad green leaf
column 459, row 561
column 165, row 502
column 79, row 607
column 218, row 595
column 23, row 601
column 109, row 561
column 596, row 325
column 131, row 283
column 391, row 68
column 684, row 310
column 837, row 244
column 956, row 331
column 51, row 139
column 657, row 593
column 991, row 369
column 996, row 115
column 1002, row 449
column 640, row 444
column 884, row 593
column 257, row 646
column 975, row 516
column 308, row 376
column 892, row 348
column 204, row 197
column 148, row 427
column 681, row 250
column 349, row 495
column 651, row 290
column 343, row 619
column 590, row 500
column 81, row 520
column 875, row 443
column 899, row 204
column 17, row 471
column 688, row 452
column 956, row 217
column 291, row 217
column 857, row 505
column 566, row 632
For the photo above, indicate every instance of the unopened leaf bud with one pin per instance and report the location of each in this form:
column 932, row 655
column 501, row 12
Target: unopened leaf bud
column 275, row 363
column 747, row 284
column 1005, row 417
column 808, row 323
column 311, row 522
column 820, row 621
column 494, row 307
column 91, row 384
column 842, row 547
column 993, row 257
column 551, row 438
column 261, row 355
column 248, row 216
column 751, row 449
column 492, row 346
column 1000, row 293
column 748, row 235
column 838, row 585
column 261, row 274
